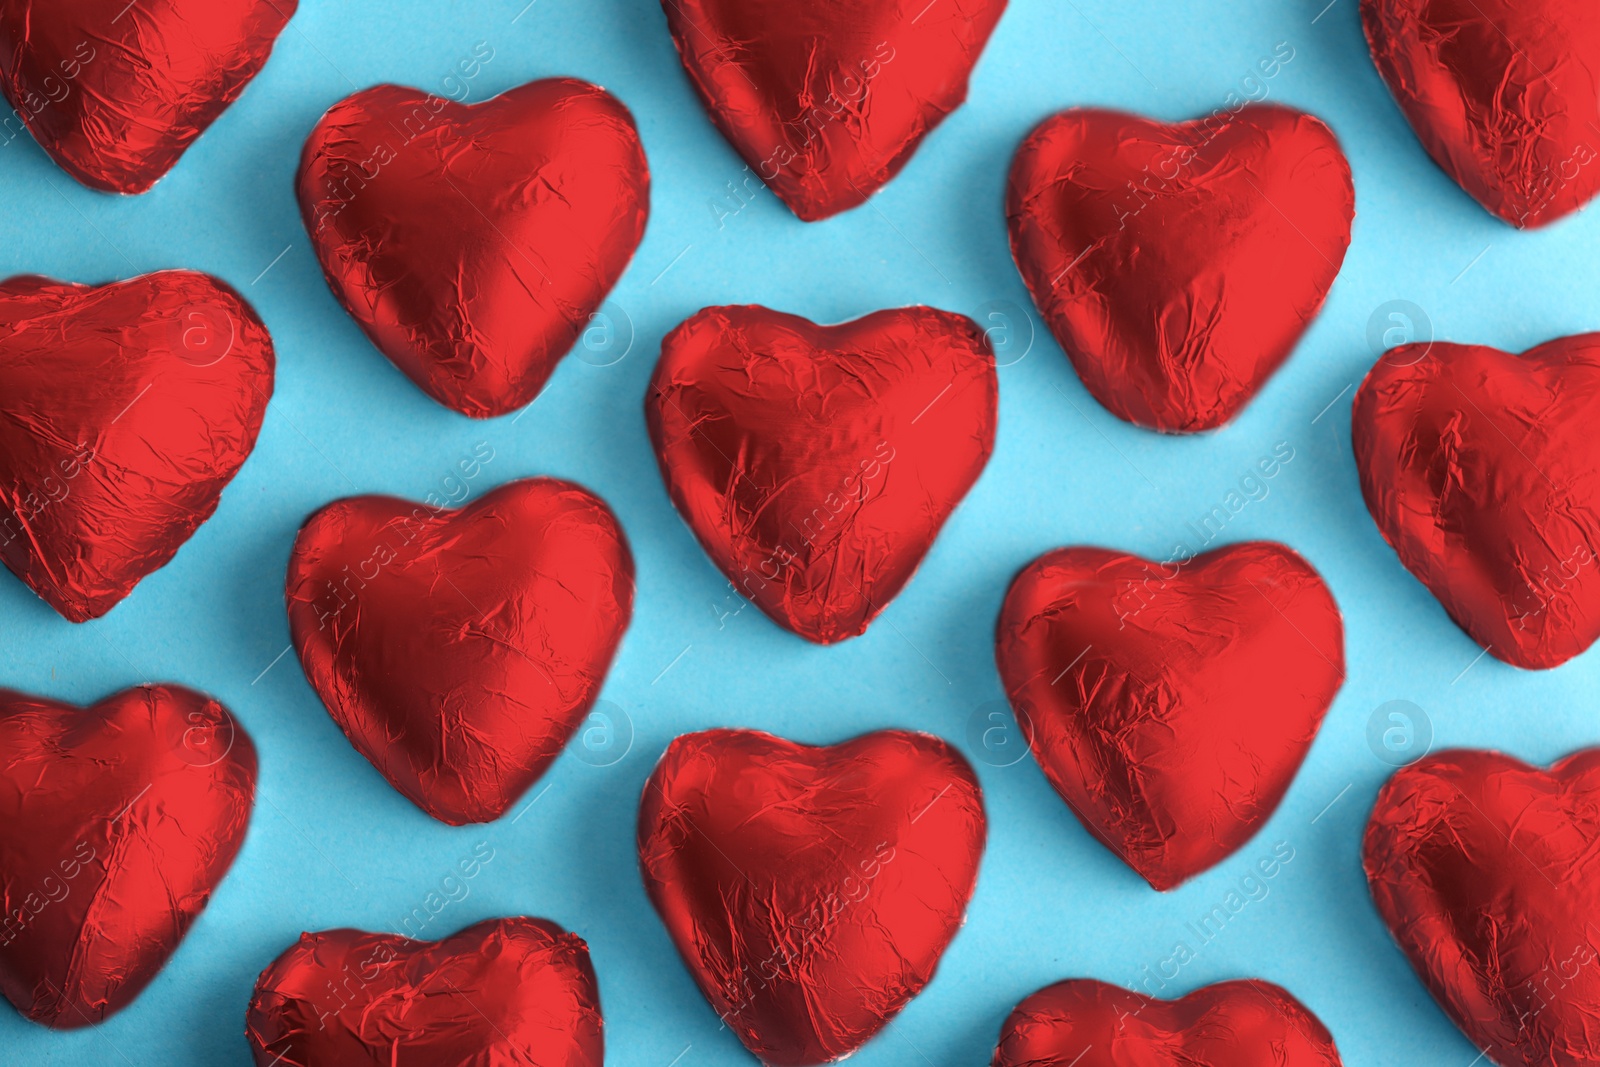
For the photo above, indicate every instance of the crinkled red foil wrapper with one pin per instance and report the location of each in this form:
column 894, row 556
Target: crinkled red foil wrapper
column 827, row 100
column 1504, row 95
column 472, row 243
column 502, row 993
column 116, row 92
column 1482, row 471
column 810, row 891
column 1172, row 703
column 1179, row 265
column 1084, row 1023
column 117, row 822
column 1487, row 873
column 125, row 410
column 459, row 650
column 816, row 464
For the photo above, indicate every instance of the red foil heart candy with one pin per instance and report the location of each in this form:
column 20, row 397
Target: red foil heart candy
column 125, row 409
column 1484, row 870
column 1482, row 471
column 117, row 822
column 827, row 101
column 472, row 243
column 810, row 891
column 816, row 464
column 115, row 94
column 1504, row 95
column 1083, row 1023
column 1171, row 704
column 1179, row 266
column 506, row 991
column 459, row 650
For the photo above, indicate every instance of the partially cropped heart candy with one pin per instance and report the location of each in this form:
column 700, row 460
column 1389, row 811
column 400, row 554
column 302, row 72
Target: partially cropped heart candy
column 1504, row 95
column 1482, row 471
column 472, row 243
column 459, row 650
column 125, row 410
column 506, row 991
column 1486, row 872
column 117, row 822
column 1084, row 1023
column 827, row 101
column 116, row 91
column 1171, row 704
column 810, row 891
column 1179, row 266
column 816, row 464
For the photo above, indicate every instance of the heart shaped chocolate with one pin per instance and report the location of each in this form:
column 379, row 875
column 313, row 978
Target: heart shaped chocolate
column 1084, row 1023
column 459, row 650
column 117, row 822
column 1171, row 704
column 1485, row 871
column 125, row 410
column 1504, row 95
column 506, row 991
column 1179, row 266
column 816, row 464
column 472, row 243
column 115, row 91
column 827, row 102
column 810, row 891
column 1482, row 471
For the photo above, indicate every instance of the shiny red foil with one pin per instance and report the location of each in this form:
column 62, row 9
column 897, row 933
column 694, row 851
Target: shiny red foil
column 1084, row 1023
column 1504, row 95
column 1171, row 704
column 826, row 101
column 503, row 993
column 816, row 464
column 1179, row 266
column 1482, row 471
column 1485, row 871
column 116, row 93
column 117, row 822
column 810, row 891
column 473, row 242
column 459, row 650
column 125, row 410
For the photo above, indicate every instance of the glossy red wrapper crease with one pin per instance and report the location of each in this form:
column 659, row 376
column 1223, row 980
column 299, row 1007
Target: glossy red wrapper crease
column 460, row 650
column 472, row 243
column 810, row 891
column 816, row 464
column 1178, row 266
column 117, row 822
column 1504, row 95
column 125, row 410
column 502, row 993
column 116, row 92
column 1487, row 873
column 1482, row 471
column 1171, row 704
column 828, row 100
column 1084, row 1023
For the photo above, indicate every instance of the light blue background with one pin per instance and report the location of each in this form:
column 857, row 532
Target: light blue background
column 331, row 844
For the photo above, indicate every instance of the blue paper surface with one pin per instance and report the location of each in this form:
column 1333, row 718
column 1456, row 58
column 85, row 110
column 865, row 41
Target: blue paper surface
column 332, row 845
